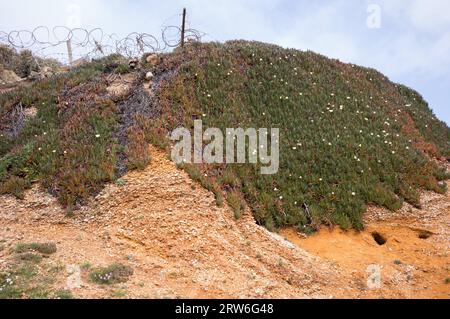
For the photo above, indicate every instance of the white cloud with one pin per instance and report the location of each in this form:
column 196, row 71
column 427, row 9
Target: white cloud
column 430, row 15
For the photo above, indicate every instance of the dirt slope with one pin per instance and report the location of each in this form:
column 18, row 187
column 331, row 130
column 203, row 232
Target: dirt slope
column 169, row 230
column 414, row 261
column 180, row 244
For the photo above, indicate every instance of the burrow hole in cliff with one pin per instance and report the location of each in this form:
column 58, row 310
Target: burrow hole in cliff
column 424, row 234
column 379, row 239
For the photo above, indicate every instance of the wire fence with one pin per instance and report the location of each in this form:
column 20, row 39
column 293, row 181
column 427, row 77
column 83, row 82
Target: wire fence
column 68, row 45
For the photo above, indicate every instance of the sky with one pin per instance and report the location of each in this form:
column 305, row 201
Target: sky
column 407, row 40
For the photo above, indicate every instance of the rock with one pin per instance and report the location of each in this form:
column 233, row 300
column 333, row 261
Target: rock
column 149, row 76
column 79, row 62
column 118, row 89
column 8, row 77
column 133, row 63
column 152, row 59
column 47, row 71
column 35, row 76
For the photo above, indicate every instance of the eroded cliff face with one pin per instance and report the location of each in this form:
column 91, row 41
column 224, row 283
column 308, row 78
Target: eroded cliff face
column 170, row 232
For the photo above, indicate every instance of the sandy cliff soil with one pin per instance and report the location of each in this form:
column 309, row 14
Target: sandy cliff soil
column 180, row 244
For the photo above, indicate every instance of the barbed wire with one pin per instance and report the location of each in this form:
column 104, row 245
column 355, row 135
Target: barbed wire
column 83, row 43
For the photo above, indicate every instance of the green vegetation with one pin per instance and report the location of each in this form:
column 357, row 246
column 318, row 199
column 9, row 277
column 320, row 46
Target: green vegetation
column 64, row 294
column 23, row 62
column 69, row 145
column 113, row 274
column 26, row 276
column 236, row 203
column 349, row 137
column 122, row 69
column 43, row 248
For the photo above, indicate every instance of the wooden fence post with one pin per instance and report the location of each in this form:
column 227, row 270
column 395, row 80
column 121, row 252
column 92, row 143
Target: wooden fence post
column 183, row 27
column 69, row 51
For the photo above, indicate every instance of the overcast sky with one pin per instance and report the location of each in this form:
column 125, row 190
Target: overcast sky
column 408, row 40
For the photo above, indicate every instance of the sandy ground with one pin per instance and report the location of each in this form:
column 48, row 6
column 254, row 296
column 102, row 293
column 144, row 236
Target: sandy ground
column 180, row 244
column 414, row 261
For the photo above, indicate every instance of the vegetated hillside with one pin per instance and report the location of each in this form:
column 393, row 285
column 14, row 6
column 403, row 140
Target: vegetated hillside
column 349, row 137
column 23, row 63
column 68, row 143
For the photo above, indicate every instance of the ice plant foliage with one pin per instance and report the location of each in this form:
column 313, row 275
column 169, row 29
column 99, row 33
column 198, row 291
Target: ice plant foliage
column 347, row 136
column 333, row 121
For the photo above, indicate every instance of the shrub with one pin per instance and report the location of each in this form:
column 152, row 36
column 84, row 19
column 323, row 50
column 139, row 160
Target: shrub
column 137, row 152
column 43, row 248
column 64, row 294
column 31, row 257
column 236, row 203
column 350, row 137
column 122, row 69
column 15, row 186
column 113, row 274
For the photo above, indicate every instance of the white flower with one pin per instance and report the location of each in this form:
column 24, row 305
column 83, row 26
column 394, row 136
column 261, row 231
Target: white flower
column 353, row 194
column 97, row 135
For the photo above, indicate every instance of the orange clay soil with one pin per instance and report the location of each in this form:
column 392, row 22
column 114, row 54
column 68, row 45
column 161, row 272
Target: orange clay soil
column 414, row 258
column 169, row 230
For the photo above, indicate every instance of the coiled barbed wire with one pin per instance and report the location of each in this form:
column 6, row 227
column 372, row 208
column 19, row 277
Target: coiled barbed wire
column 86, row 44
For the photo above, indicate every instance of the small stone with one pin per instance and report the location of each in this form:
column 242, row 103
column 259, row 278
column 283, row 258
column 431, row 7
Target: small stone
column 152, row 59
column 133, row 63
column 149, row 76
